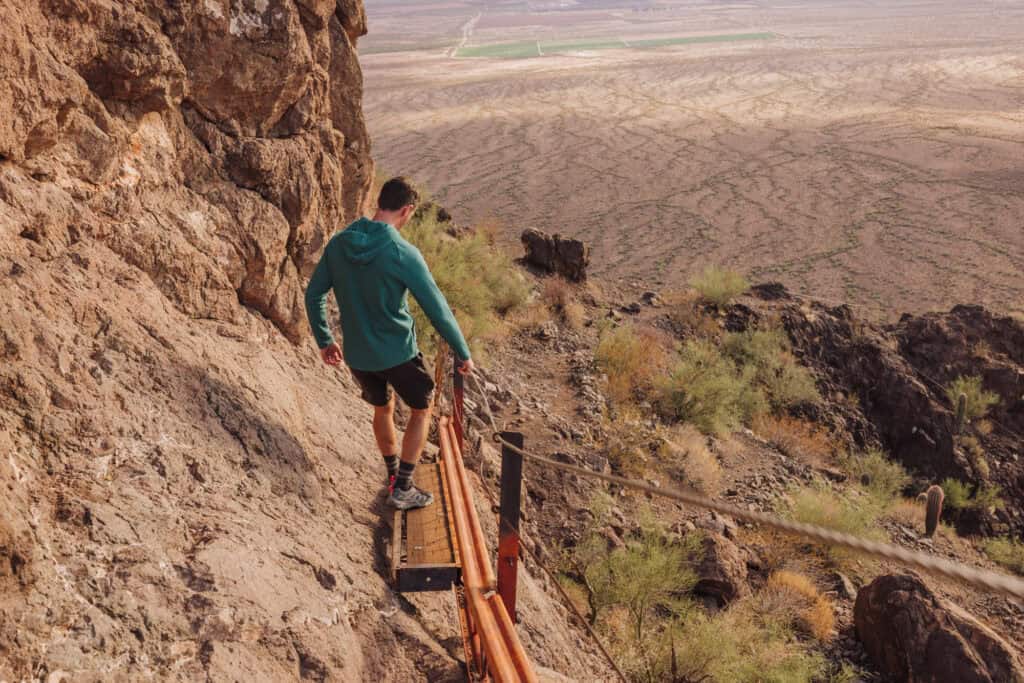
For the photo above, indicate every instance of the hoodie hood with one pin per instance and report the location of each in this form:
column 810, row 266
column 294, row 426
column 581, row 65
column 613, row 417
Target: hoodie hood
column 365, row 240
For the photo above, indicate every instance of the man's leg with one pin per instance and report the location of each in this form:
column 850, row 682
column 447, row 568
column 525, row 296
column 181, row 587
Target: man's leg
column 387, row 437
column 415, row 386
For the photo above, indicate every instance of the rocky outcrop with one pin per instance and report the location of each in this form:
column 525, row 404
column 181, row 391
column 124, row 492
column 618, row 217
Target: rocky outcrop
column 914, row 635
column 885, row 386
column 722, row 571
column 214, row 145
column 555, row 254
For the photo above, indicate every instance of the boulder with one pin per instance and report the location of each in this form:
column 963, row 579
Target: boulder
column 555, row 254
column 722, row 572
column 914, row 635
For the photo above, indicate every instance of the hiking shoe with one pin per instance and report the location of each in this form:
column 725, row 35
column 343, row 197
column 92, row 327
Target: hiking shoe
column 410, row 498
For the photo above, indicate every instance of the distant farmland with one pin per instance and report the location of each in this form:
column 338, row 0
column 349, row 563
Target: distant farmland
column 533, row 48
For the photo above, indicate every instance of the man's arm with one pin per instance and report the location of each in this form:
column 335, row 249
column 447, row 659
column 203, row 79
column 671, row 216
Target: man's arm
column 417, row 277
column 316, row 310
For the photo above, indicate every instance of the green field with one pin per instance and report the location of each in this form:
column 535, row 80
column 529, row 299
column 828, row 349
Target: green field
column 502, row 50
column 531, row 48
column 577, row 45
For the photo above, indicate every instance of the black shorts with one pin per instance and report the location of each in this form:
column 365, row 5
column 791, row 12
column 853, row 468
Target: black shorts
column 411, row 382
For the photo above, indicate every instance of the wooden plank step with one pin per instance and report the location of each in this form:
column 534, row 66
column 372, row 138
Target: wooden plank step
column 424, row 549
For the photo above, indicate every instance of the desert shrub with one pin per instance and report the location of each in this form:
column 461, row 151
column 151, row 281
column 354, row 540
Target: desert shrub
column 884, row 479
column 741, row 644
column 846, row 673
column 978, row 400
column 796, row 438
column 706, row 389
column 645, row 576
column 797, row 596
column 480, row 282
column 629, row 358
column 627, row 443
column 688, row 448
column 633, row 594
column 556, row 292
column 958, row 496
column 719, row 286
column 785, row 382
column 976, row 456
column 1006, row 552
column 821, row 506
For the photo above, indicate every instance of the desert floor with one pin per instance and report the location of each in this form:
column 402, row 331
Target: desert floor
column 865, row 152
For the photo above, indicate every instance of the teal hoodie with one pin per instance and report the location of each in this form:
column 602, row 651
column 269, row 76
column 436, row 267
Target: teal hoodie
column 370, row 268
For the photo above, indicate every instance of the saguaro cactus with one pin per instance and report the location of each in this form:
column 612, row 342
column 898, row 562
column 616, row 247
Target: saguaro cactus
column 933, row 511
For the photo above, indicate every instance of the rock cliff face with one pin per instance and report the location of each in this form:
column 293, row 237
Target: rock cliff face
column 212, row 144
column 187, row 494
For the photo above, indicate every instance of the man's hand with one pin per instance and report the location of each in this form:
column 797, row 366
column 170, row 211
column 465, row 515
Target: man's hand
column 331, row 354
column 467, row 367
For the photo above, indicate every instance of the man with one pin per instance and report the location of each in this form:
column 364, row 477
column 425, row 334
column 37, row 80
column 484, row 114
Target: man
column 371, row 267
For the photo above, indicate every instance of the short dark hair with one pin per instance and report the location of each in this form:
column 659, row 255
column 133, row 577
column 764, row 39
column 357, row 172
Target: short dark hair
column 396, row 194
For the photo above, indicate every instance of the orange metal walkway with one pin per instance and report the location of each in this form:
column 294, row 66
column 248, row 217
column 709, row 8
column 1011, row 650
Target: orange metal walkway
column 442, row 546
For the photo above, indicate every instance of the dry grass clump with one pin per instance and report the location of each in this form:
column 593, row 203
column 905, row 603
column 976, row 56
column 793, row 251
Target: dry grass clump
column 1006, row 552
column 627, row 443
column 978, row 400
column 685, row 311
column 531, row 316
column 574, row 315
column 560, row 297
column 796, row 438
column 556, row 292
column 630, row 358
column 910, row 512
column 812, row 612
column 719, row 286
column 907, row 511
column 689, row 448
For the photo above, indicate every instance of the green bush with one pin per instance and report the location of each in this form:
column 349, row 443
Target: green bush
column 719, row 286
column 978, row 400
column 958, row 496
column 1006, row 552
column 480, row 282
column 705, row 388
column 645, row 577
column 786, row 383
column 884, row 479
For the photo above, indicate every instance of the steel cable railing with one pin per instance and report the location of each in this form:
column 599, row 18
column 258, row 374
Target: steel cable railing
column 981, row 578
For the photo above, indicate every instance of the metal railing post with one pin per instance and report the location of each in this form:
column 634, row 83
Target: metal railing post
column 508, row 523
